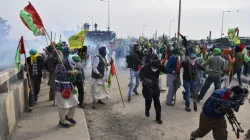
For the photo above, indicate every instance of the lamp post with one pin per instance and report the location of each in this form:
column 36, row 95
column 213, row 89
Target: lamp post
column 179, row 23
column 170, row 28
column 92, row 22
column 108, row 13
column 143, row 29
column 223, row 22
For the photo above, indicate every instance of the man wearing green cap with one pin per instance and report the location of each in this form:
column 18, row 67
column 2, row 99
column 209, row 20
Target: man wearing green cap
column 35, row 64
column 216, row 66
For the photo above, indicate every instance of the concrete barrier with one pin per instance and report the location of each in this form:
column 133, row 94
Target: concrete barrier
column 13, row 99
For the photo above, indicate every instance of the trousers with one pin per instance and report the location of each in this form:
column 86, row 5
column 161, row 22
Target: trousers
column 170, row 85
column 218, row 126
column 152, row 93
column 63, row 112
column 133, row 75
column 188, row 90
column 211, row 79
column 36, row 82
column 80, row 88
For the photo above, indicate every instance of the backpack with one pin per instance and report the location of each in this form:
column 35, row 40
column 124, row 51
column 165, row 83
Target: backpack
column 129, row 61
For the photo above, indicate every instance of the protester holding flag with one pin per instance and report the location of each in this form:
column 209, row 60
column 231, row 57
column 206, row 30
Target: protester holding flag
column 149, row 75
column 76, row 63
column 99, row 69
column 35, row 64
column 239, row 58
column 229, row 62
column 65, row 96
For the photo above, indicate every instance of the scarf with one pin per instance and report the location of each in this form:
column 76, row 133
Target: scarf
column 33, row 58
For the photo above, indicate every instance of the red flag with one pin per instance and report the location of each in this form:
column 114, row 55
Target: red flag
column 111, row 74
column 21, row 45
column 32, row 20
column 19, row 52
column 204, row 51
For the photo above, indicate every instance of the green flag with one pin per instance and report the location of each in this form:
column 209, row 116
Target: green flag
column 77, row 41
column 19, row 52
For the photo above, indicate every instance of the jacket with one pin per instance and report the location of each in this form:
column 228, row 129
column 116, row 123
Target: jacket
column 216, row 64
column 136, row 58
column 146, row 72
column 209, row 106
column 171, row 65
column 193, row 68
column 40, row 65
column 239, row 58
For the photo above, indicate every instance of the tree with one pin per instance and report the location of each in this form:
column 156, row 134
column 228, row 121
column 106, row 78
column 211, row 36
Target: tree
column 4, row 28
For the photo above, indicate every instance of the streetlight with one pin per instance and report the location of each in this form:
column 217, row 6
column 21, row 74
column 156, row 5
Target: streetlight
column 143, row 29
column 179, row 23
column 108, row 13
column 223, row 22
column 92, row 22
column 170, row 28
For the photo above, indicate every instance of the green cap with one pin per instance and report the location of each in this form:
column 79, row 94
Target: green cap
column 33, row 51
column 216, row 51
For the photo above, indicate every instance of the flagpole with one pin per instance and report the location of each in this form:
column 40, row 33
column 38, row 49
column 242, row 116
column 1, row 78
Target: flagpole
column 55, row 49
column 29, row 80
column 119, row 89
column 55, row 38
column 47, row 40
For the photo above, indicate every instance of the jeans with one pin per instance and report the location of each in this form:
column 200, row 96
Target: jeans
column 211, row 79
column 133, row 75
column 187, row 87
column 238, row 72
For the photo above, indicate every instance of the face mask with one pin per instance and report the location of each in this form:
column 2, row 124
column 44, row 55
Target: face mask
column 154, row 70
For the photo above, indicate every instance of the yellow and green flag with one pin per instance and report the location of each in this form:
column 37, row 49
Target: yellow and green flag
column 77, row 41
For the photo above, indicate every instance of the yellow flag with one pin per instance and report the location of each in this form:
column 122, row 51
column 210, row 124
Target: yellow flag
column 77, row 41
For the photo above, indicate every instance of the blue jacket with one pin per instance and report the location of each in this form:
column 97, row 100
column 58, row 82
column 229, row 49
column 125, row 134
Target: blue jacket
column 209, row 107
column 171, row 65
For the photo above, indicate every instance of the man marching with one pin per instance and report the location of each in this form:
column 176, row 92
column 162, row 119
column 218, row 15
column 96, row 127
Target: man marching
column 99, row 69
column 149, row 75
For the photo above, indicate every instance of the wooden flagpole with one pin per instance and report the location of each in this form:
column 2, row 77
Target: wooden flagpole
column 119, row 89
column 55, row 37
column 55, row 48
column 29, row 79
column 118, row 85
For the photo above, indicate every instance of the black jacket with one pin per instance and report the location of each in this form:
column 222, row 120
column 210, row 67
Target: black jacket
column 146, row 72
column 136, row 59
column 40, row 63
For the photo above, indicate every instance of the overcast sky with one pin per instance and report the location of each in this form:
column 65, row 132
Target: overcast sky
column 129, row 16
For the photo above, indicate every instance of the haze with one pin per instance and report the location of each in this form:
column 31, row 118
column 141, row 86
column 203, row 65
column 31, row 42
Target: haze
column 129, row 16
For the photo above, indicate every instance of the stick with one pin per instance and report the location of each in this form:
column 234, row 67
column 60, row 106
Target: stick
column 55, row 49
column 47, row 40
column 119, row 89
column 29, row 80
column 55, row 37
